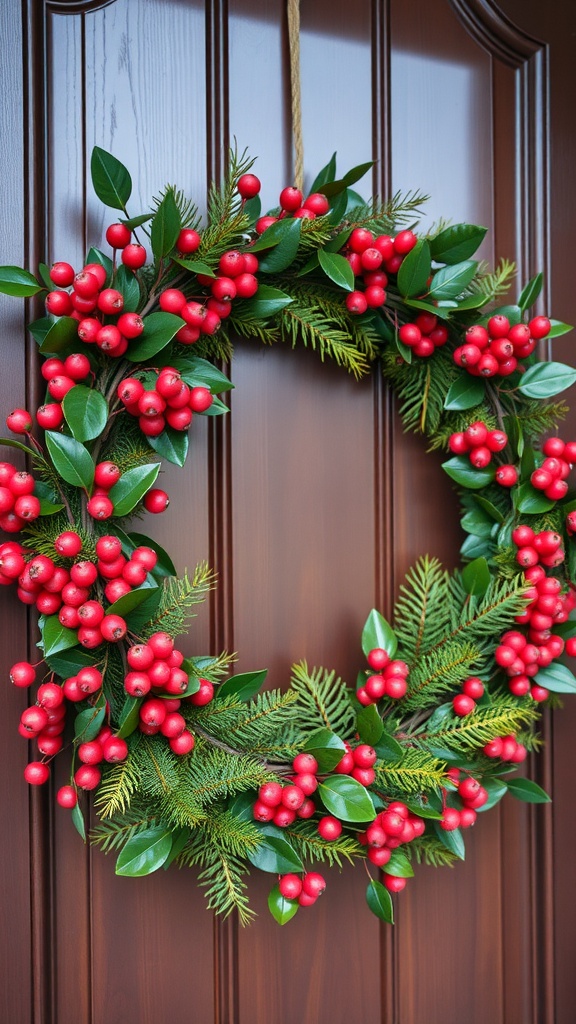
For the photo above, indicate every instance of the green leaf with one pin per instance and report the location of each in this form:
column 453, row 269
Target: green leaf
column 325, row 175
column 399, row 865
column 164, row 566
column 88, row 723
column 127, row 284
column 218, row 408
column 465, row 393
column 179, row 840
column 159, row 329
column 97, row 256
column 346, row 798
column 378, row 633
column 472, row 302
column 111, row 180
column 145, row 852
column 8, row 442
column 528, row 791
column 194, row 266
column 453, row 840
column 62, row 334
column 132, row 486
column 200, row 373
column 557, row 677
column 326, row 747
column 68, row 662
column 165, row 226
column 354, row 175
column 276, row 234
column 369, row 725
column 171, row 445
column 337, row 268
column 513, row 313
column 461, row 470
column 85, row 411
column 48, row 499
column 283, row 254
column 129, row 717
column 126, row 604
column 546, row 379
column 78, row 821
column 530, row 501
column 496, row 789
column 274, row 854
column 265, row 303
column 56, row 637
column 476, row 577
column 244, row 686
column 429, row 307
column 388, row 748
column 18, row 282
column 380, row 901
column 136, row 222
column 450, row 281
column 415, row 270
column 530, row 292
column 282, row 910
column 39, row 328
column 456, row 243
column 558, row 328
column 71, row 459
column 488, row 507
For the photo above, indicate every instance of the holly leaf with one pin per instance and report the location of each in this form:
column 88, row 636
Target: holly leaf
column 456, row 243
column 453, row 840
column 198, row 372
column 126, row 604
column 346, row 799
column 337, row 268
column 265, row 303
column 78, row 822
column 85, row 411
column 476, row 577
column 244, row 686
column 129, row 717
column 546, row 379
column 465, row 393
column 399, row 865
column 145, row 852
column 282, row 255
column 449, row 282
column 159, row 329
column 326, row 747
column 557, row 677
column 171, row 445
column 530, row 292
column 274, row 853
column 325, row 175
column 528, row 791
column 380, row 901
column 378, row 633
column 164, row 566
column 18, row 282
column 282, row 909
column 388, row 748
column 88, row 723
column 530, row 501
column 71, row 459
column 415, row 270
column 56, row 637
column 369, row 725
column 132, row 486
column 558, row 328
column 165, row 226
column 461, row 470
column 62, row 334
column 127, row 284
column 111, row 180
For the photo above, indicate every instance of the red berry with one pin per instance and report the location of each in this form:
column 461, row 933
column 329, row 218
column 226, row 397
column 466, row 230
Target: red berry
column 188, row 240
column 248, row 186
column 291, row 199
column 62, row 274
column 463, row 705
column 36, row 773
column 19, row 421
column 67, row 796
column 118, row 235
column 329, row 827
column 156, row 500
column 290, row 886
column 134, row 256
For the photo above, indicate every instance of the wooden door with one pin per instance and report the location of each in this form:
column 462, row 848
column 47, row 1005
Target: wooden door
column 308, row 501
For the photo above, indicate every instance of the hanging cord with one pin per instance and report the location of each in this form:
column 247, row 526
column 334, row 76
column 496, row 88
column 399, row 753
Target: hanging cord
column 294, row 42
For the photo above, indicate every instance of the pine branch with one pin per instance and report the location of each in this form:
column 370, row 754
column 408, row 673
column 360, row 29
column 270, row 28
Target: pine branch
column 422, row 614
column 323, row 701
column 189, row 216
column 418, row 772
column 114, row 834
column 302, row 322
column 158, row 767
column 180, row 809
column 504, row 715
column 222, row 877
column 263, row 726
column 439, row 672
column 483, row 619
column 178, row 596
column 214, row 774
column 421, row 388
column 304, row 837
column 118, row 785
column 427, row 849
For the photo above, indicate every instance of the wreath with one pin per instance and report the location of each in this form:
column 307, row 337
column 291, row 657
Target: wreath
column 187, row 761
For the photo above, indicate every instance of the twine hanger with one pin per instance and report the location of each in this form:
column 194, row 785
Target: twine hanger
column 293, row 11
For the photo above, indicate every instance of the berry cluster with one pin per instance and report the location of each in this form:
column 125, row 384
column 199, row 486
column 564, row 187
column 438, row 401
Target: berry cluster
column 479, row 443
column 291, row 200
column 552, row 476
column 18, row 503
column 391, row 828
column 372, row 258
column 464, row 703
column 171, row 402
column 545, row 547
column 389, row 679
column 283, row 804
column 506, row 748
column 496, row 349
column 303, row 890
column 472, row 795
column 424, row 335
column 235, row 280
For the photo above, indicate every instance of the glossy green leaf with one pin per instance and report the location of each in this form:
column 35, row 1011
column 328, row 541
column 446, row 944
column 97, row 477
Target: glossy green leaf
column 449, row 282
column 369, row 725
column 8, row 442
column 78, row 821
column 326, row 747
column 496, row 789
column 338, row 242
column 476, row 301
column 531, row 292
column 546, row 379
column 39, row 328
column 282, row 256
column 194, row 266
column 274, row 854
column 476, row 577
column 415, row 270
column 512, row 312
column 56, row 637
column 429, row 307
column 337, row 268
column 282, row 910
column 558, row 328
column 380, row 901
column 145, row 852
column 243, row 686
column 129, row 717
column 164, row 566
column 398, row 865
column 126, row 604
column 49, row 503
column 453, row 841
column 97, row 256
column 198, row 372
column 557, row 677
column 171, row 445
column 132, row 486
column 165, row 226
column 276, row 234
column 127, row 284
column 136, row 222
column 179, row 840
column 18, row 282
column 326, row 174
column 528, row 791
column 530, row 501
column 465, row 393
column 85, row 411
column 388, row 748
column 378, row 633
column 489, row 508
column 69, row 661
column 145, row 612
column 111, row 180
column 62, row 334
column 346, row 798
column 88, row 723
column 159, row 329
column 354, row 175
column 460, row 469
column 456, row 243
column 218, row 408
column 265, row 303
column 71, row 459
